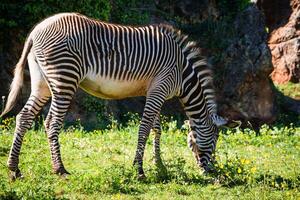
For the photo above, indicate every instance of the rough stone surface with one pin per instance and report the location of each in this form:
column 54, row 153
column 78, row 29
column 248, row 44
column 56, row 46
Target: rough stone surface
column 247, row 92
column 284, row 39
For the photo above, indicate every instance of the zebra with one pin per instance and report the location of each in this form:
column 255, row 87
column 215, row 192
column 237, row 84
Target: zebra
column 112, row 61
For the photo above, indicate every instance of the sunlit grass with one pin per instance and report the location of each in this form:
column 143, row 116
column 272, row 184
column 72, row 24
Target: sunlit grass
column 248, row 166
column 290, row 89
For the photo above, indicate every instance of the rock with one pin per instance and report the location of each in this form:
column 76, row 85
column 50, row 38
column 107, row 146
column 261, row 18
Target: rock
column 276, row 12
column 284, row 39
column 289, row 104
column 247, row 91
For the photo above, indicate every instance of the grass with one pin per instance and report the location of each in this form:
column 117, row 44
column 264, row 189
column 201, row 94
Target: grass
column 290, row 89
column 249, row 166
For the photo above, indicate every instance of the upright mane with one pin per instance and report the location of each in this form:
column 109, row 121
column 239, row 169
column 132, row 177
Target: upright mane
column 196, row 62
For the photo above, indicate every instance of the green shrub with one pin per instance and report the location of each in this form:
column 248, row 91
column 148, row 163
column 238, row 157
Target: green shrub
column 130, row 12
column 230, row 8
column 98, row 106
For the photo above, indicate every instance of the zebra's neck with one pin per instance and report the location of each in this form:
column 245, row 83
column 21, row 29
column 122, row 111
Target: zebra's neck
column 192, row 98
column 197, row 92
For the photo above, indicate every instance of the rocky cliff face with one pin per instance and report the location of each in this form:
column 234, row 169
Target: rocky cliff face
column 283, row 20
column 247, row 92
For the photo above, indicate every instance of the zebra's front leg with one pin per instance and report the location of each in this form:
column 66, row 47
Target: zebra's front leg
column 161, row 169
column 53, row 123
column 24, row 121
column 156, row 142
column 154, row 102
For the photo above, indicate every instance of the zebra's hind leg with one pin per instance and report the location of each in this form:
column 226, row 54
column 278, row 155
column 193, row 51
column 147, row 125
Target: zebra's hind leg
column 40, row 94
column 53, row 123
column 24, row 121
column 154, row 102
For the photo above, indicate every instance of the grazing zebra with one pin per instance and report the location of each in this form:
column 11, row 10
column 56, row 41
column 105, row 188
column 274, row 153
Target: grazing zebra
column 110, row 61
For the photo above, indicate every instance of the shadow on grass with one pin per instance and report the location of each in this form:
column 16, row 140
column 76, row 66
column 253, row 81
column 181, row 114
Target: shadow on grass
column 119, row 179
column 111, row 180
column 4, row 151
column 288, row 109
column 178, row 173
column 9, row 195
column 279, row 182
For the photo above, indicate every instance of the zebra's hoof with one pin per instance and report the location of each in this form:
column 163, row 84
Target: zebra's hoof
column 209, row 170
column 13, row 175
column 62, row 172
column 141, row 177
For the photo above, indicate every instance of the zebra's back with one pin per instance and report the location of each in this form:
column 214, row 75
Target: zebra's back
column 112, row 61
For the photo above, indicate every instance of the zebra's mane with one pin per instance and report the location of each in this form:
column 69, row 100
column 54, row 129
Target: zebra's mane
column 182, row 40
column 189, row 47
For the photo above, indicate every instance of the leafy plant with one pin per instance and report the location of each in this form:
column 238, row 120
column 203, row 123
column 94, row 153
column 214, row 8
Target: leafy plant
column 130, row 12
column 230, row 8
column 98, row 106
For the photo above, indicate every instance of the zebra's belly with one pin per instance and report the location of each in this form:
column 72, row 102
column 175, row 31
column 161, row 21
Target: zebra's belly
column 107, row 88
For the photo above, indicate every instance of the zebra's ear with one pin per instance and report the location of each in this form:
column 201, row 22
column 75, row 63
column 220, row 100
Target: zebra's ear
column 233, row 124
column 218, row 120
column 223, row 122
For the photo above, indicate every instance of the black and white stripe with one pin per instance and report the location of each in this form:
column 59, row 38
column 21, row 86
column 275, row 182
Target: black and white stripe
column 72, row 51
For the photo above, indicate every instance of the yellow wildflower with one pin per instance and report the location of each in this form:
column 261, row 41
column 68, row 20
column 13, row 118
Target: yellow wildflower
column 239, row 170
column 253, row 170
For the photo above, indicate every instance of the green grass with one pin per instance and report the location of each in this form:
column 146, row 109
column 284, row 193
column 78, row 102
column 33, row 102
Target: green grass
column 290, row 89
column 249, row 166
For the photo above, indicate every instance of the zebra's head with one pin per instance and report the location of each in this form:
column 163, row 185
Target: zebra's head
column 197, row 95
column 202, row 139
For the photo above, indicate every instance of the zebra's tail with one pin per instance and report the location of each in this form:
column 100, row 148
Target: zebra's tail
column 17, row 82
